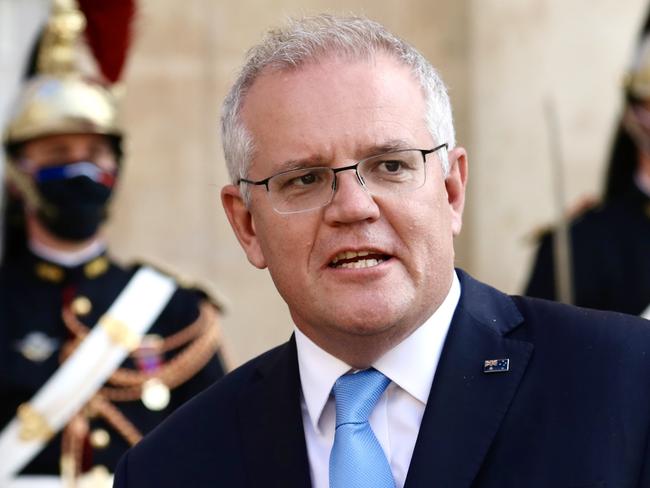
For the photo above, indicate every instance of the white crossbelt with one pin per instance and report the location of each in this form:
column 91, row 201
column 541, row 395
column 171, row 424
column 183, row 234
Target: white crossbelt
column 116, row 334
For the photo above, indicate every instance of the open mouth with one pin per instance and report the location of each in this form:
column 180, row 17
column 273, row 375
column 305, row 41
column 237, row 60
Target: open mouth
column 358, row 259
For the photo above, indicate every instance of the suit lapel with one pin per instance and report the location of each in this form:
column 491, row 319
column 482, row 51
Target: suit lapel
column 466, row 405
column 271, row 423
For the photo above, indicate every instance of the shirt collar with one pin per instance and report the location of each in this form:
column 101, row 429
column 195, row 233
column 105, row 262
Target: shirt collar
column 419, row 353
column 318, row 372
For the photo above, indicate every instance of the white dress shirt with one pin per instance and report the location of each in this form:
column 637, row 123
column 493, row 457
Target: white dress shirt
column 396, row 418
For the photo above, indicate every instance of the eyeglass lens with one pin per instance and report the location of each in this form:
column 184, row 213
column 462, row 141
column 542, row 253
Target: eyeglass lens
column 308, row 188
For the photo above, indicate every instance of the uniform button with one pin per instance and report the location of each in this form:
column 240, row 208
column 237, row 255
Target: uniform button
column 81, row 305
column 100, row 439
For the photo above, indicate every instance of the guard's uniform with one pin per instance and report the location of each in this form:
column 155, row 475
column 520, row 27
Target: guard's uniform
column 45, row 309
column 50, row 312
column 610, row 244
column 611, row 257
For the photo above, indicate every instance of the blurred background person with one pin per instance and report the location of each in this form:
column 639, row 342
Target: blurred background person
column 610, row 241
column 64, row 157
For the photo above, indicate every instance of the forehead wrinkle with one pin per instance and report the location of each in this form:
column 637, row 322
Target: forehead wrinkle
column 389, row 146
column 317, row 160
column 307, row 162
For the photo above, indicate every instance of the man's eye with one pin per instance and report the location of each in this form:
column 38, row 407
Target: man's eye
column 306, row 179
column 391, row 166
column 300, row 179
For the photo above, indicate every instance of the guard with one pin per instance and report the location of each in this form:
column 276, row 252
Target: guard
column 92, row 355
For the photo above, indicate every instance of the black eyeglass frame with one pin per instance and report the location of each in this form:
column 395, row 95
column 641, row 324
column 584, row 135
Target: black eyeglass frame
column 355, row 167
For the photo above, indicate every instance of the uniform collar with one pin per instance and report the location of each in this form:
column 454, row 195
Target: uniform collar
column 411, row 364
column 68, row 259
column 56, row 267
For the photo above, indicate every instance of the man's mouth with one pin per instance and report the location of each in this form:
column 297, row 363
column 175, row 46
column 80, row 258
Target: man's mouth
column 357, row 259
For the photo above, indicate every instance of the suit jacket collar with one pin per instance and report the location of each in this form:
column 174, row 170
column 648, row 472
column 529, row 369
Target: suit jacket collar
column 466, row 405
column 271, row 423
column 462, row 417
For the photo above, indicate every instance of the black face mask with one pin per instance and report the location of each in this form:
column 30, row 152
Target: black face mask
column 74, row 204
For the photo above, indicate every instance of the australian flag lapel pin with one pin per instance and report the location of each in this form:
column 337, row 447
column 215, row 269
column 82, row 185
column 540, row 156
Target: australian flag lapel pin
column 496, row 365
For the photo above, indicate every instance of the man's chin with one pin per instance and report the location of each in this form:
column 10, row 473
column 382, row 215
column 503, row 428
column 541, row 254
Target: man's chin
column 369, row 325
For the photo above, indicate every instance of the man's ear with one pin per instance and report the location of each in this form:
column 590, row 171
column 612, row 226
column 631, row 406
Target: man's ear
column 243, row 224
column 455, row 183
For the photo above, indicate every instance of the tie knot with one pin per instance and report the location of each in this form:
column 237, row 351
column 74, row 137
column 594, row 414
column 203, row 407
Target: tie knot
column 357, row 394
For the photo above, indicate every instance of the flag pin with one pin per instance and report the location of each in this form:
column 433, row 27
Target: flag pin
column 496, row 365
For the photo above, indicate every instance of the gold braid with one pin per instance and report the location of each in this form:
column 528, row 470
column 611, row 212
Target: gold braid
column 99, row 405
column 202, row 339
column 183, row 366
column 72, row 444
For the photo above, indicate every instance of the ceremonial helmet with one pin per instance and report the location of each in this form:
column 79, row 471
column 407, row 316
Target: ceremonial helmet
column 59, row 99
column 63, row 96
column 69, row 104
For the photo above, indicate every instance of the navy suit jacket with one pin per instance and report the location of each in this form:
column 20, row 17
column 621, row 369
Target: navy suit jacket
column 572, row 411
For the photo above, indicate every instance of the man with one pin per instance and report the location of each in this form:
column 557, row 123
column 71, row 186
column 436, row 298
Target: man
column 348, row 187
column 90, row 358
column 610, row 267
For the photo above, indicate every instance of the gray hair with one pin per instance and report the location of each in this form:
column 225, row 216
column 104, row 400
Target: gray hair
column 308, row 39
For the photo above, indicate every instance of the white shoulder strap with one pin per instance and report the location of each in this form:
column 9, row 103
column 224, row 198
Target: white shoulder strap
column 117, row 333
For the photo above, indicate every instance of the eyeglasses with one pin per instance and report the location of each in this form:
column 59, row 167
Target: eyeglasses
column 300, row 190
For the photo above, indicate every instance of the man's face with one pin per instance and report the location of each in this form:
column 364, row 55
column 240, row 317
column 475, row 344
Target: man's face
column 68, row 148
column 65, row 207
column 332, row 114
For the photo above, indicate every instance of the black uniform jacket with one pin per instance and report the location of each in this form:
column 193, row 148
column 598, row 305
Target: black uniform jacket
column 573, row 410
column 611, row 257
column 33, row 335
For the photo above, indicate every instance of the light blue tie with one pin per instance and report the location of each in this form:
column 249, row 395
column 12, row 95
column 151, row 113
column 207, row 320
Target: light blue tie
column 357, row 459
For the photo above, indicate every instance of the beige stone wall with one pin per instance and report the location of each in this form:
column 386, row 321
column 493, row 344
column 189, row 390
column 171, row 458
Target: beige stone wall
column 500, row 59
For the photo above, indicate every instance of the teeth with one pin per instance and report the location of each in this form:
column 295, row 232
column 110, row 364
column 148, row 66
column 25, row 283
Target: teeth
column 362, row 263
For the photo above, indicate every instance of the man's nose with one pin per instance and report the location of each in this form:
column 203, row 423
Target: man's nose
column 351, row 201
